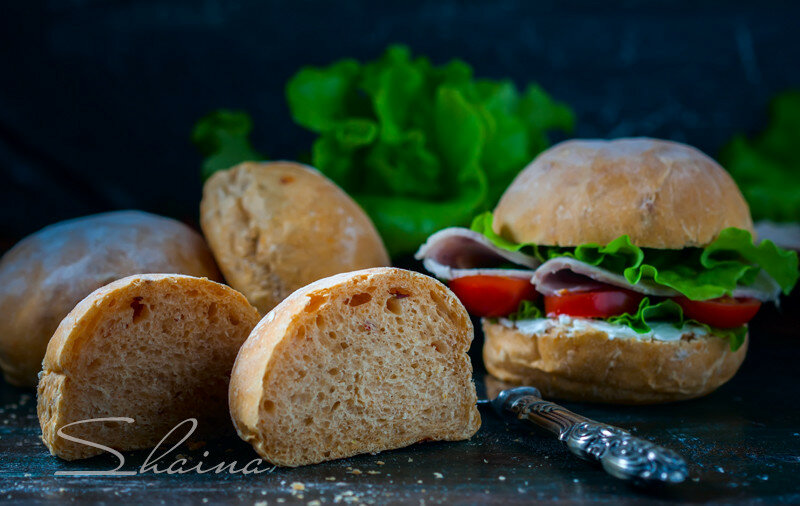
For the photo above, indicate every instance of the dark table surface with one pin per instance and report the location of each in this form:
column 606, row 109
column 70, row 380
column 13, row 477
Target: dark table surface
column 742, row 442
column 97, row 101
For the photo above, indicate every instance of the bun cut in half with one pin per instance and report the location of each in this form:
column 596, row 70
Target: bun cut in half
column 157, row 348
column 356, row 363
column 660, row 193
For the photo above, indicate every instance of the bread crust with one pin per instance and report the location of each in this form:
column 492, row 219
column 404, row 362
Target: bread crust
column 588, row 366
column 46, row 274
column 662, row 194
column 277, row 226
column 277, row 333
column 61, row 399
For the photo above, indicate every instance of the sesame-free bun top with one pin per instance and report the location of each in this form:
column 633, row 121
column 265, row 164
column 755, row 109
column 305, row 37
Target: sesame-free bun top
column 662, row 194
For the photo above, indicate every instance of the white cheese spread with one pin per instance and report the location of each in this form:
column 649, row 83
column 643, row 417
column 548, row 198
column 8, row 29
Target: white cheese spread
column 659, row 332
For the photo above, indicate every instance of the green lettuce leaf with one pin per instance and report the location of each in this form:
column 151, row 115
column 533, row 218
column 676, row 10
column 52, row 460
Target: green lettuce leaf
column 767, row 167
column 420, row 147
column 223, row 138
column 527, row 310
column 732, row 259
column 668, row 311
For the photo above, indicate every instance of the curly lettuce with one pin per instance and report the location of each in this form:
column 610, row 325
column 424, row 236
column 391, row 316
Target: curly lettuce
column 420, row 147
column 669, row 311
column 731, row 260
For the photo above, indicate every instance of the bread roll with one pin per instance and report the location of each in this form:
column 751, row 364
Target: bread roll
column 356, row 363
column 275, row 227
column 660, row 193
column 157, row 348
column 587, row 365
column 47, row 273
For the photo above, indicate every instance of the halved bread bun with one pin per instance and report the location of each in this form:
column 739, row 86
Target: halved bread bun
column 44, row 275
column 157, row 348
column 356, row 363
column 275, row 227
column 662, row 194
column 584, row 364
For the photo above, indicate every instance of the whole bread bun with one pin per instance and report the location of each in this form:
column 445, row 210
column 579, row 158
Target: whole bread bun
column 586, row 365
column 277, row 226
column 356, row 363
column 662, row 194
column 48, row 272
column 157, row 348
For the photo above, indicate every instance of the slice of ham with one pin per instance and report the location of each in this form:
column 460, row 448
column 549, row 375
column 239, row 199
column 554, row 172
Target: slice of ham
column 567, row 274
column 784, row 235
column 447, row 273
column 461, row 248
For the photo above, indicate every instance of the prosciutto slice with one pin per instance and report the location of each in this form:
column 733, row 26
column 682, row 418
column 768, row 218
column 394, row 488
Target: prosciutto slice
column 457, row 252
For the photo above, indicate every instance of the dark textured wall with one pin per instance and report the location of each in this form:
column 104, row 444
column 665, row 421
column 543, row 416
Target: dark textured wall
column 97, row 98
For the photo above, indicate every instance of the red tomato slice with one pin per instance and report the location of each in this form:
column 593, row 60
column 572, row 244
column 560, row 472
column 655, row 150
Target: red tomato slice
column 593, row 304
column 492, row 296
column 724, row 313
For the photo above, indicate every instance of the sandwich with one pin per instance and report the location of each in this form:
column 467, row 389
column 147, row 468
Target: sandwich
column 619, row 271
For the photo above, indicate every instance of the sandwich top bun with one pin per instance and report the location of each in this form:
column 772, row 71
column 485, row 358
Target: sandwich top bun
column 48, row 272
column 662, row 194
column 275, row 227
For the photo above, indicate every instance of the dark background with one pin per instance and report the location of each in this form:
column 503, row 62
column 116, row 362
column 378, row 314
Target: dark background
column 98, row 98
column 97, row 102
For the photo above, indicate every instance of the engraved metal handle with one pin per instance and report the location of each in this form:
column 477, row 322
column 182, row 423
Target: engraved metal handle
column 622, row 455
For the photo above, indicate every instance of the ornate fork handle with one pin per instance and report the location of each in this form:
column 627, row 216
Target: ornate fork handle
column 621, row 454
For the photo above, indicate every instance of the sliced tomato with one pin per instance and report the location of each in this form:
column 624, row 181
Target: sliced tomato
column 724, row 313
column 492, row 295
column 600, row 303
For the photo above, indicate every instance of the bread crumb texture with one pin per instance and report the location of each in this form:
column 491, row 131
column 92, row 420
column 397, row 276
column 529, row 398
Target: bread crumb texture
column 275, row 227
column 155, row 348
column 356, row 363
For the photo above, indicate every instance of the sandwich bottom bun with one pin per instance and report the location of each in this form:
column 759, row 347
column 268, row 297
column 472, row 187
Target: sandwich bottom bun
column 155, row 348
column 586, row 365
column 355, row 363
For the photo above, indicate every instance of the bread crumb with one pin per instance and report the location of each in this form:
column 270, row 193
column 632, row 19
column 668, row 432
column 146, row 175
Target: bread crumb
column 373, row 472
column 380, row 462
column 330, row 478
column 298, row 486
column 438, row 475
column 355, row 471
